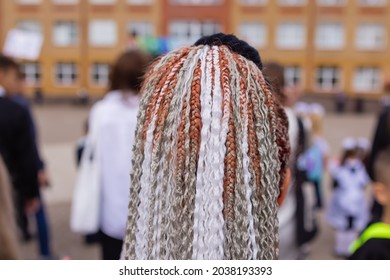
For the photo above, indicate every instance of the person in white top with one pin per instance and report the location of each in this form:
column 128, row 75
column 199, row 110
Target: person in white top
column 348, row 208
column 113, row 121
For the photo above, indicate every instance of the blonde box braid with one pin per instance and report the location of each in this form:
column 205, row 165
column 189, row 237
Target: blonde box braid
column 210, row 150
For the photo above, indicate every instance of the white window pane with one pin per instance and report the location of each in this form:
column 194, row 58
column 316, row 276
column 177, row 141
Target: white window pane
column 253, row 2
column 330, row 36
column 30, row 25
column 140, row 28
column 372, row 2
column 65, row 33
column 254, row 33
column 102, row 33
column 367, row 79
column 140, row 2
column 371, row 36
column 185, row 33
column 66, row 2
column 32, row 72
column 291, row 35
column 28, row 1
column 328, row 78
column 196, row 2
column 66, row 74
column 292, row 2
column 331, row 2
column 102, row 2
column 100, row 74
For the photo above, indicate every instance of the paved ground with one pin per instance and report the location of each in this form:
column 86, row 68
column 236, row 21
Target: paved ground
column 60, row 126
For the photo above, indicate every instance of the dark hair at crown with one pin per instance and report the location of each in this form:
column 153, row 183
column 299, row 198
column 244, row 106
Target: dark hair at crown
column 236, row 45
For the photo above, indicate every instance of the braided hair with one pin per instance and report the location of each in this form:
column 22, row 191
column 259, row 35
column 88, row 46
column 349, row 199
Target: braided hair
column 210, row 154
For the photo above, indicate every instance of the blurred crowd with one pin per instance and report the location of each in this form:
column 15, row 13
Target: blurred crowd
column 358, row 211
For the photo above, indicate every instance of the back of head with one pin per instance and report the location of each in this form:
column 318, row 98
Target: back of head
column 210, row 153
column 274, row 72
column 128, row 70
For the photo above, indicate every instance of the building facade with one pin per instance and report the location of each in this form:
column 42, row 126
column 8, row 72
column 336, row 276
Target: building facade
column 327, row 46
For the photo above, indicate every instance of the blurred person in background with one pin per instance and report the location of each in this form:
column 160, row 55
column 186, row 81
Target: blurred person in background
column 295, row 228
column 348, row 208
column 43, row 180
column 315, row 158
column 17, row 146
column 210, row 159
column 8, row 235
column 374, row 241
column 112, row 123
column 380, row 142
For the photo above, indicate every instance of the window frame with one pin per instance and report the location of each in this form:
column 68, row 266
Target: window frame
column 76, row 79
column 76, row 31
column 296, row 45
column 92, row 75
column 335, row 87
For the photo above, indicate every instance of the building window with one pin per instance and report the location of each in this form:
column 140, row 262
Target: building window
column 372, row 2
column 293, row 75
column 102, row 33
column 292, row 2
column 102, row 2
column 371, row 37
column 255, row 33
column 291, row 35
column 66, row 74
column 331, row 2
column 328, row 78
column 29, row 2
column 100, row 73
column 66, row 2
column 253, row 2
column 140, row 2
column 32, row 72
column 188, row 32
column 196, row 2
column 140, row 28
column 330, row 36
column 65, row 33
column 30, row 26
column 367, row 79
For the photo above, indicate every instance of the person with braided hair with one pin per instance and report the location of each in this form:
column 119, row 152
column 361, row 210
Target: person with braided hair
column 210, row 157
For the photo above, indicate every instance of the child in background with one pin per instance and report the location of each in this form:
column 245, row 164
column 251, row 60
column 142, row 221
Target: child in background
column 317, row 154
column 374, row 242
column 348, row 210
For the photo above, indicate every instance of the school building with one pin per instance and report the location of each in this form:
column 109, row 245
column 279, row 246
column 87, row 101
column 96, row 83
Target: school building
column 327, row 46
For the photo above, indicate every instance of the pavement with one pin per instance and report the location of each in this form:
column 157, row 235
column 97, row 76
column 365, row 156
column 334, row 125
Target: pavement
column 60, row 126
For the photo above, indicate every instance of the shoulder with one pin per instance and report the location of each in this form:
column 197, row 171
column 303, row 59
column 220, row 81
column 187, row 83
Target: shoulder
column 12, row 108
column 373, row 249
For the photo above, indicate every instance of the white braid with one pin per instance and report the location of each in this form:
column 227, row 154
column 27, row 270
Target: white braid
column 247, row 177
column 214, row 239
column 199, row 211
column 142, row 222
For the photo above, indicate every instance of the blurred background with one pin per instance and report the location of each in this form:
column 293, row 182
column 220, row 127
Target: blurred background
column 335, row 51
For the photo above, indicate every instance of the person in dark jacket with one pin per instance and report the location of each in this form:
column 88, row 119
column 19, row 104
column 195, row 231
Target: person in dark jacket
column 16, row 143
column 40, row 216
column 374, row 242
column 380, row 142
